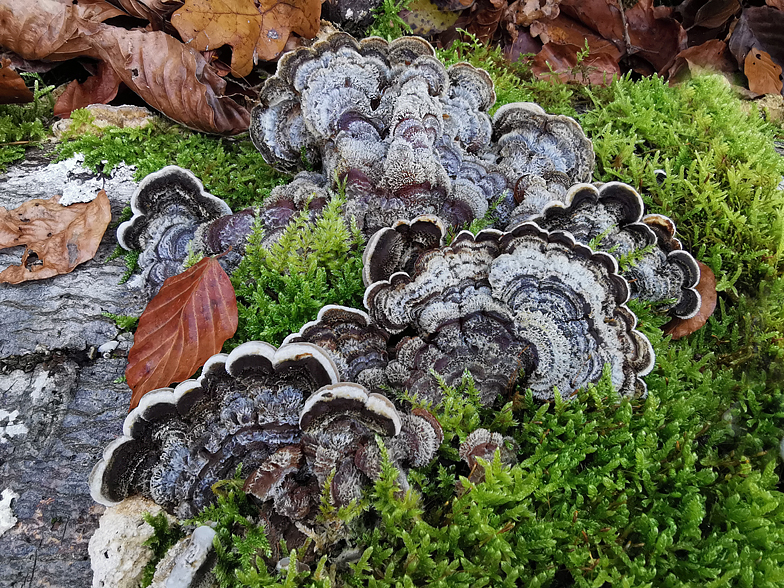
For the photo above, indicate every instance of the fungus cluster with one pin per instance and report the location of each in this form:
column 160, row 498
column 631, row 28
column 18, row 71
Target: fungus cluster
column 538, row 300
column 284, row 415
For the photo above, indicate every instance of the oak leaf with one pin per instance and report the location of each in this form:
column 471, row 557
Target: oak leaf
column 57, row 237
column 185, row 324
column 255, row 29
column 764, row 76
column 678, row 328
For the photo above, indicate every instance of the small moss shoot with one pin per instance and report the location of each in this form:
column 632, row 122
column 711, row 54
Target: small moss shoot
column 25, row 125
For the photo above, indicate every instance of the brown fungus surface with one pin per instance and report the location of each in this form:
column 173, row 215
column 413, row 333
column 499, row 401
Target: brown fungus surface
column 525, row 304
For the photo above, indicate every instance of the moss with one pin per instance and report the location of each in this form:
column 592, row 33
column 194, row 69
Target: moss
column 311, row 265
column 231, row 169
column 25, row 125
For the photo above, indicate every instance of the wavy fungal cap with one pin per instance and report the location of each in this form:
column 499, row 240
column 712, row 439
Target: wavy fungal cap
column 524, row 303
column 178, row 442
column 611, row 217
column 170, row 192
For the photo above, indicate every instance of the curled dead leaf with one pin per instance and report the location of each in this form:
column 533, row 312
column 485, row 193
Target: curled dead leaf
column 98, row 89
column 57, row 237
column 12, row 87
column 255, row 29
column 764, row 76
column 679, row 328
column 712, row 55
column 185, row 324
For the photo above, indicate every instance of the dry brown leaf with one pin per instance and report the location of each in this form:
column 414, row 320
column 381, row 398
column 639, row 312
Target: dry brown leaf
column 644, row 31
column 712, row 55
column 98, row 89
column 759, row 27
column 485, row 18
column 764, row 76
column 678, row 328
column 60, row 237
column 596, row 68
column 185, row 324
column 169, row 76
column 775, row 4
column 566, row 31
column 255, row 29
column 12, row 87
column 172, row 78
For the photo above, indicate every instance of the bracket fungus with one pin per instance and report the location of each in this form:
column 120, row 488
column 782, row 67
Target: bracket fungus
column 173, row 216
column 283, row 414
column 526, row 303
column 168, row 206
column 409, row 136
column 611, row 217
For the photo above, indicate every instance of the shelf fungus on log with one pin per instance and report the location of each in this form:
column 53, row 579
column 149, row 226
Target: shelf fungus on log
column 409, row 136
column 353, row 342
column 610, row 217
column 174, row 216
column 168, row 206
column 526, row 304
column 284, row 415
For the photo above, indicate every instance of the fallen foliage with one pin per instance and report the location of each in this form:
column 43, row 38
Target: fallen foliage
column 678, row 328
column 186, row 323
column 57, row 238
column 12, row 87
column 254, row 29
column 169, row 76
column 100, row 88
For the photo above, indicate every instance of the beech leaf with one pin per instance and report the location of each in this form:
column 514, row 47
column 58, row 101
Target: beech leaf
column 185, row 324
column 764, row 75
column 60, row 237
column 678, row 328
column 12, row 87
column 98, row 89
column 255, row 29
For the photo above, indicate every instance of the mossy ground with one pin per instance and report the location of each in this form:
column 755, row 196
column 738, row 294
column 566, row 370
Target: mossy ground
column 679, row 489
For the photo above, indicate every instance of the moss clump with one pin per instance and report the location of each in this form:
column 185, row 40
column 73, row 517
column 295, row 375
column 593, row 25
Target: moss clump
column 25, row 125
column 310, row 266
column 231, row 169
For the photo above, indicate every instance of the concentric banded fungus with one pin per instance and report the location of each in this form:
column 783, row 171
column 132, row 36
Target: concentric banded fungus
column 525, row 303
column 174, row 216
column 397, row 248
column 243, row 409
column 168, row 206
column 611, row 217
column 409, row 136
column 358, row 348
column 284, row 415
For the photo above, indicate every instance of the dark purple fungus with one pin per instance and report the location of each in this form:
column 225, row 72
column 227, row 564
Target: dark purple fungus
column 527, row 304
column 168, row 207
column 610, row 217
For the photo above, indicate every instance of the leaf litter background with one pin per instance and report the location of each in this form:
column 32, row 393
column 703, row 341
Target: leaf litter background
column 201, row 62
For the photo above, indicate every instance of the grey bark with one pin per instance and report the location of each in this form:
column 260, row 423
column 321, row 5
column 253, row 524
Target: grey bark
column 59, row 402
